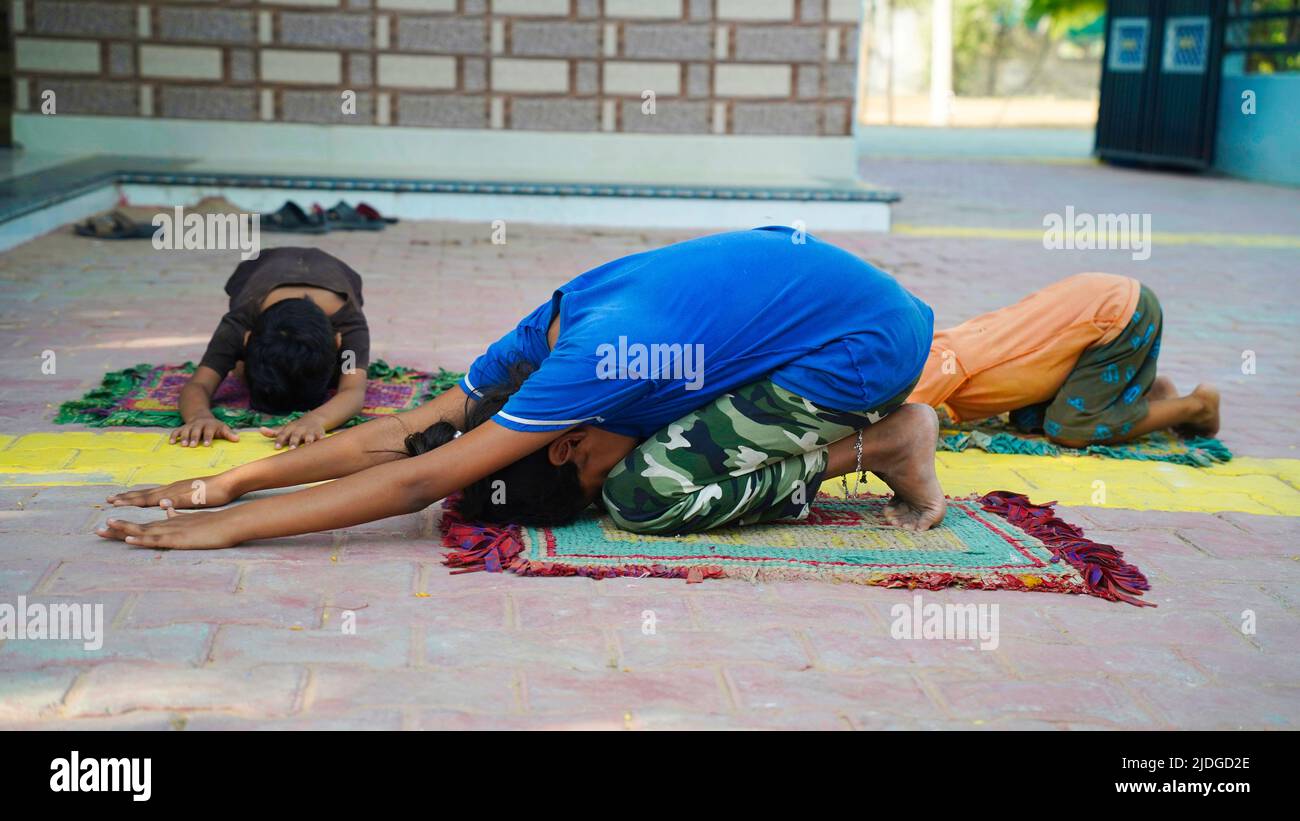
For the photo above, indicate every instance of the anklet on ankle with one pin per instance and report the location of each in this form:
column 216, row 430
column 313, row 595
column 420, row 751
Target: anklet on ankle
column 861, row 474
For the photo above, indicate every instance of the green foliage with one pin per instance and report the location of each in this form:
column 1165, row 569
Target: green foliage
column 988, row 32
column 982, row 32
column 1064, row 15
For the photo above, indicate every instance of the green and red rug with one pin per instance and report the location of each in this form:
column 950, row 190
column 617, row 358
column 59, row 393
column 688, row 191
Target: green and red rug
column 999, row 541
column 149, row 396
column 995, row 435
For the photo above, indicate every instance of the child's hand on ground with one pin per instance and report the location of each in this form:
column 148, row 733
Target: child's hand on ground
column 182, row 531
column 205, row 491
column 301, row 431
column 202, row 430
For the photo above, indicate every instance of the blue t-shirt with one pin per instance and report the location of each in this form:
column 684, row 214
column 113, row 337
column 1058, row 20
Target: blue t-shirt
column 650, row 337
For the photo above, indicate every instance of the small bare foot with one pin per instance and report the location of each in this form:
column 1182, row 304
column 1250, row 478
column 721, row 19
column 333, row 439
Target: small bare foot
column 1163, row 388
column 918, row 502
column 1206, row 422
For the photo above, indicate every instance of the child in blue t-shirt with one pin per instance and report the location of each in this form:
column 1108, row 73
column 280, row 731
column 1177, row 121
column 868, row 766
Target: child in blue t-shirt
column 709, row 382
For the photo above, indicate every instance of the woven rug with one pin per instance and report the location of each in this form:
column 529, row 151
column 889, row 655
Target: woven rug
column 1000, row 541
column 995, row 435
column 149, row 395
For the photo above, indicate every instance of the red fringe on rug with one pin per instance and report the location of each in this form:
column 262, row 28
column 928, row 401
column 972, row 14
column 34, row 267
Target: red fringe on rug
column 1102, row 566
column 494, row 548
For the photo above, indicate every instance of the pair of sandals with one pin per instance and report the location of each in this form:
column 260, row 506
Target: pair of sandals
column 115, row 224
column 128, row 222
column 292, row 219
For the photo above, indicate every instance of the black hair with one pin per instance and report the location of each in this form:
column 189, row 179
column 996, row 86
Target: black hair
column 536, row 492
column 291, row 357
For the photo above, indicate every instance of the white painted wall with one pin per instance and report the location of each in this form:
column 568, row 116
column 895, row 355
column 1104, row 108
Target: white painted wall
column 452, row 153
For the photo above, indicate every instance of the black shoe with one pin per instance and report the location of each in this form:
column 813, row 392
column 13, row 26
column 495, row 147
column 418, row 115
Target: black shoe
column 291, row 219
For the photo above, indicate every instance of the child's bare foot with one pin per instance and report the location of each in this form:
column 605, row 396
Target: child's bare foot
column 918, row 502
column 1206, row 421
column 1163, row 388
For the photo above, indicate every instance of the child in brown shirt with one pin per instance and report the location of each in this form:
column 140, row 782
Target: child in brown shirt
column 294, row 330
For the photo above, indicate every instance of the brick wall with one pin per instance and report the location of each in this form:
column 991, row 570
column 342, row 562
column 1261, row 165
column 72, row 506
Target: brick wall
column 714, row 66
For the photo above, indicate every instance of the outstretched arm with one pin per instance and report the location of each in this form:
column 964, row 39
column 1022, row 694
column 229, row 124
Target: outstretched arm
column 313, row 425
column 343, row 454
column 374, row 493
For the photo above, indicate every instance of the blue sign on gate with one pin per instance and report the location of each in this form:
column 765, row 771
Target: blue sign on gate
column 1128, row 44
column 1187, row 40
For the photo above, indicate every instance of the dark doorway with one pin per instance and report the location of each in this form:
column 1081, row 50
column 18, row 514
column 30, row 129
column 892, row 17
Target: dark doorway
column 1160, row 81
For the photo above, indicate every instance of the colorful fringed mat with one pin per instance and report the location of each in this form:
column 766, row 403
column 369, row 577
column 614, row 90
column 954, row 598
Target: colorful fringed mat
column 149, row 396
column 994, row 435
column 1000, row 541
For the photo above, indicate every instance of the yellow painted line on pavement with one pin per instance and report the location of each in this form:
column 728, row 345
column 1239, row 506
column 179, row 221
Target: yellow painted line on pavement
column 1159, row 237
column 1246, row 485
column 999, row 159
column 118, row 458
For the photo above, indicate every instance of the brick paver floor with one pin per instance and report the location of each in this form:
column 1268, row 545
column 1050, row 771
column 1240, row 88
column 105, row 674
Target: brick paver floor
column 251, row 637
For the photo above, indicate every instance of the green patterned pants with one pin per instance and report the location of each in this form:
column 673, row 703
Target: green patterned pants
column 755, row 454
column 1105, row 394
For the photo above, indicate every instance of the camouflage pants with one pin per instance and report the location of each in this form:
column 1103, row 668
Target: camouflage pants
column 755, row 454
column 1106, row 392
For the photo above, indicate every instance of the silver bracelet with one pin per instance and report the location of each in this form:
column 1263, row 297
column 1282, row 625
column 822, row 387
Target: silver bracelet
column 861, row 474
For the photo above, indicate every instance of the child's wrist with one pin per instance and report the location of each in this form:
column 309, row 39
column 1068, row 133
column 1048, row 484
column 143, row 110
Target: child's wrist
column 321, row 419
column 243, row 479
column 236, row 525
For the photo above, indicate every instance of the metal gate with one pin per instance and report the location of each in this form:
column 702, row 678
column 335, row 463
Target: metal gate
column 1160, row 81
